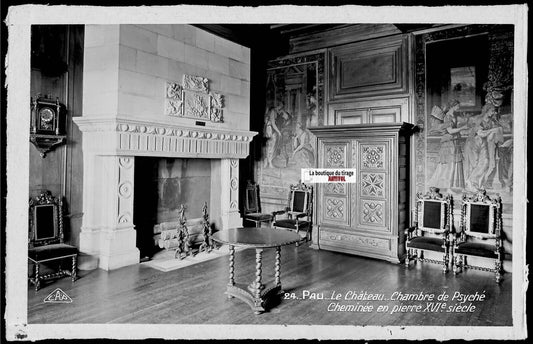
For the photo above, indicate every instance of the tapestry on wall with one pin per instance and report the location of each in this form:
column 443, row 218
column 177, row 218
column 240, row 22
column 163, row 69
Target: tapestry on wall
column 294, row 102
column 466, row 110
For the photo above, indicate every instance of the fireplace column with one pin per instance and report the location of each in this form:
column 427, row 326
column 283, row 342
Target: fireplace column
column 108, row 231
column 229, row 193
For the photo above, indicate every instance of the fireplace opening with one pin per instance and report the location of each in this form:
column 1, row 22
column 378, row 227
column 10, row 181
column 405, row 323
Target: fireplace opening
column 162, row 185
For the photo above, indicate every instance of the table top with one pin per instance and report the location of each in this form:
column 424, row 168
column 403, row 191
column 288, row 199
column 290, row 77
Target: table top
column 256, row 237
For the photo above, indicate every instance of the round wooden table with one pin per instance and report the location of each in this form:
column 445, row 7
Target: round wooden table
column 256, row 294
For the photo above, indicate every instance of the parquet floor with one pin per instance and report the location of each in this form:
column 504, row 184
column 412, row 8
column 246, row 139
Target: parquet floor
column 195, row 294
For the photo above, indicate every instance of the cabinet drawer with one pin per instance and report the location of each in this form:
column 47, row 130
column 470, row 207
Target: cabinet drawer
column 388, row 110
column 355, row 242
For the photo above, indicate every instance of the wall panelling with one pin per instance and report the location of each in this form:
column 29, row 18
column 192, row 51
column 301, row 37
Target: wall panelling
column 369, row 68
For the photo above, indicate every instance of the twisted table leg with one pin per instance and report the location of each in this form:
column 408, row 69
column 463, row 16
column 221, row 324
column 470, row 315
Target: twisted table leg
column 231, row 282
column 278, row 266
column 231, row 265
column 256, row 287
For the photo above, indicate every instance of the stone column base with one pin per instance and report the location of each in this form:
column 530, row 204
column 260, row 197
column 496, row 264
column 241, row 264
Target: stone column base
column 119, row 259
column 231, row 220
column 113, row 248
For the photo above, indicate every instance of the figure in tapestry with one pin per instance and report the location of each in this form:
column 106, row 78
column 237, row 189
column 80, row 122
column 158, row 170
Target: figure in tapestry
column 294, row 102
column 272, row 135
column 449, row 171
column 481, row 149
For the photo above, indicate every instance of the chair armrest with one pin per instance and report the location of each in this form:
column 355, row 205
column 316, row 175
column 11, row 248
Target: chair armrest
column 458, row 238
column 298, row 216
column 409, row 231
column 278, row 212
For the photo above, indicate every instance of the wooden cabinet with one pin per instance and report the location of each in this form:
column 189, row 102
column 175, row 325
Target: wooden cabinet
column 367, row 217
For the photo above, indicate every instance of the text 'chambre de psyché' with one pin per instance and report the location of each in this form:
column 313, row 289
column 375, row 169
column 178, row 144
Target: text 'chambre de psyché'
column 397, row 302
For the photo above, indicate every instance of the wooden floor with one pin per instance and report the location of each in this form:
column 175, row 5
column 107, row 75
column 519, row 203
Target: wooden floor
column 195, row 294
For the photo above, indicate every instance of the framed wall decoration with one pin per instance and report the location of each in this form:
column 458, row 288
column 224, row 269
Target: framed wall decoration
column 463, row 84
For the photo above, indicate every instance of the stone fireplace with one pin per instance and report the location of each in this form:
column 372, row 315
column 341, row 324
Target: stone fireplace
column 110, row 148
column 165, row 91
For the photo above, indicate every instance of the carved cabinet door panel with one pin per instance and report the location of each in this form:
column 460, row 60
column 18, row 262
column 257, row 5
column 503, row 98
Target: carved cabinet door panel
column 335, row 196
column 372, row 159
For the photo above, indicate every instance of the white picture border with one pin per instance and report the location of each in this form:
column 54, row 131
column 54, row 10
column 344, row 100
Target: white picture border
column 20, row 18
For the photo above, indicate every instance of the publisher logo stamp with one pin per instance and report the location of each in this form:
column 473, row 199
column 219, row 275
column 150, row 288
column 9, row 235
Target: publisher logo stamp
column 57, row 296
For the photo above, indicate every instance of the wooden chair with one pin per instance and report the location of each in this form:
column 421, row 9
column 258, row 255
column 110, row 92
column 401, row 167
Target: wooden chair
column 298, row 212
column 46, row 238
column 480, row 235
column 433, row 219
column 252, row 208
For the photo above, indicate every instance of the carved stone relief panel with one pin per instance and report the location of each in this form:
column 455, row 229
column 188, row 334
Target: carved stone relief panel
column 195, row 83
column 125, row 190
column 192, row 99
column 196, row 105
column 234, row 184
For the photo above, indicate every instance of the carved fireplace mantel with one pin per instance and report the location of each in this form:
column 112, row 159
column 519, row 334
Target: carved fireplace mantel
column 110, row 146
column 123, row 136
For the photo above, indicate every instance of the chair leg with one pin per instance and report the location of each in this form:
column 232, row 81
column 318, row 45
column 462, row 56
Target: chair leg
column 74, row 269
column 454, row 262
column 298, row 232
column 445, row 260
column 37, row 279
column 498, row 268
column 407, row 257
column 460, row 263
